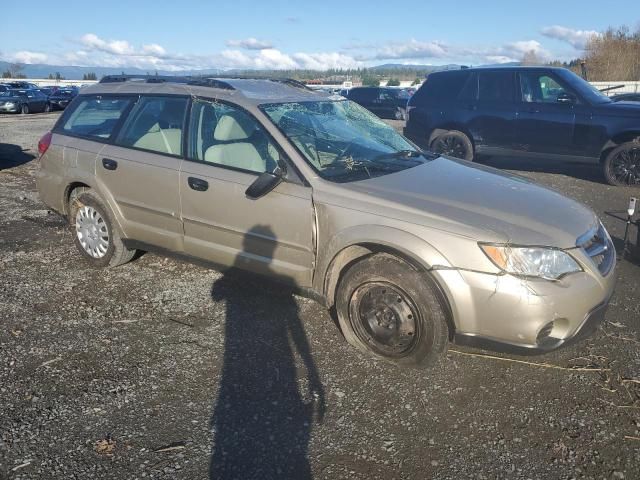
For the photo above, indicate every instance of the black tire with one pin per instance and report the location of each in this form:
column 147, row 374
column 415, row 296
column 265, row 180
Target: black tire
column 453, row 144
column 390, row 310
column 622, row 165
column 401, row 114
column 47, row 108
column 24, row 109
column 116, row 253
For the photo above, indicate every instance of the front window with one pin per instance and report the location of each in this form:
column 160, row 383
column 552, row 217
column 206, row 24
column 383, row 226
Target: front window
column 584, row 88
column 342, row 141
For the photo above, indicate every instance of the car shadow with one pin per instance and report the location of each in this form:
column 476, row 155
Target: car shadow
column 13, row 156
column 581, row 171
column 270, row 392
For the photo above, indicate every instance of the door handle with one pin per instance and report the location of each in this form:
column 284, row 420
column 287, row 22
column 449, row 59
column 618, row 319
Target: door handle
column 109, row 164
column 198, row 184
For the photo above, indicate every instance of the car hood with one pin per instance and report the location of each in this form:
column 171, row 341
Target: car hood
column 626, row 108
column 478, row 201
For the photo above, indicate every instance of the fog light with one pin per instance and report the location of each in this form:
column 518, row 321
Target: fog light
column 545, row 332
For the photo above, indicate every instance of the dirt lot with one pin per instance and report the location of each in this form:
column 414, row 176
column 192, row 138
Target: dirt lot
column 119, row 373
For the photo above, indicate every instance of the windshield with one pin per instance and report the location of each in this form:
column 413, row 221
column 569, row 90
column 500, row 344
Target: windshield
column 342, row 141
column 584, row 88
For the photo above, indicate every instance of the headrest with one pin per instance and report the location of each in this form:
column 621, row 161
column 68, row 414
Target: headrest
column 236, row 127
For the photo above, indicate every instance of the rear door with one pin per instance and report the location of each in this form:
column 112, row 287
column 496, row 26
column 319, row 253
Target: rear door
column 367, row 97
column 272, row 235
column 493, row 118
column 546, row 115
column 141, row 170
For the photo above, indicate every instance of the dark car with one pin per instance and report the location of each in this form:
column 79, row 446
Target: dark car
column 23, row 101
column 626, row 97
column 385, row 102
column 62, row 97
column 22, row 84
column 526, row 111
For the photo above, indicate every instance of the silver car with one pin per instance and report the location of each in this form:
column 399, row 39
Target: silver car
column 412, row 250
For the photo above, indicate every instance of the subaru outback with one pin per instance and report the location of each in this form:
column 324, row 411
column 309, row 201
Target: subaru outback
column 412, row 250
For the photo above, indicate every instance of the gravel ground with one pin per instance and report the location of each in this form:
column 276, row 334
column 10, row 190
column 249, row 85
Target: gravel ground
column 153, row 369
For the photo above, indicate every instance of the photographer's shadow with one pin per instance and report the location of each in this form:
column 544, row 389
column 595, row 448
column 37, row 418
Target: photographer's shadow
column 266, row 404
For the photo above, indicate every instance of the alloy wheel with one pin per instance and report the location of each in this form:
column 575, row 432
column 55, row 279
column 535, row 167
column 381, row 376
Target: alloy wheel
column 625, row 166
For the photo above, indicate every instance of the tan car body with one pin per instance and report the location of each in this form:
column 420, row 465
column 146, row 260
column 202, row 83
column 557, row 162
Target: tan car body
column 432, row 216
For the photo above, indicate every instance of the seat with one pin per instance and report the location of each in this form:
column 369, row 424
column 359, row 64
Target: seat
column 161, row 140
column 232, row 148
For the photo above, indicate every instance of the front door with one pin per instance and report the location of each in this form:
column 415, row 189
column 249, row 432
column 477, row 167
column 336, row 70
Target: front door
column 546, row 115
column 272, row 235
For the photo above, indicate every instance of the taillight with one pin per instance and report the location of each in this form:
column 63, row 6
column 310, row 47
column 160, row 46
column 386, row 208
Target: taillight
column 44, row 143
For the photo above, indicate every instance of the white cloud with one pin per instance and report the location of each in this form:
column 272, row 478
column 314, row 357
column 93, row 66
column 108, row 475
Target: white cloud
column 117, row 47
column 576, row 38
column 26, row 56
column 410, row 49
column 275, row 59
column 153, row 49
column 249, row 44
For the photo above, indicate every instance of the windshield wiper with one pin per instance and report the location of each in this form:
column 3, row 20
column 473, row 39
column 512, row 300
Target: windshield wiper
column 401, row 154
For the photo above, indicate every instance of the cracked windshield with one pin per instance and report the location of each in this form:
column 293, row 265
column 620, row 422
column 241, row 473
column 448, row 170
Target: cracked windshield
column 343, row 141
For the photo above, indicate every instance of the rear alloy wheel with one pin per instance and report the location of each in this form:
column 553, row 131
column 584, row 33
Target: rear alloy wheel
column 401, row 114
column 24, row 109
column 453, row 144
column 390, row 310
column 47, row 108
column 622, row 165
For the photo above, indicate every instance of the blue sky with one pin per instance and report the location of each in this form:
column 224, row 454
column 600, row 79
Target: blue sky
column 285, row 34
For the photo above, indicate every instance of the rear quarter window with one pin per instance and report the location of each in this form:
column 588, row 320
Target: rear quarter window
column 95, row 116
column 440, row 88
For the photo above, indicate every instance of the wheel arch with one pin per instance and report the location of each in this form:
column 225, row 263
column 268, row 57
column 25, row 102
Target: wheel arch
column 419, row 258
column 617, row 140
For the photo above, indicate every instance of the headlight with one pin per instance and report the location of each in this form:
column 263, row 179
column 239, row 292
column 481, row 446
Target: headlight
column 547, row 263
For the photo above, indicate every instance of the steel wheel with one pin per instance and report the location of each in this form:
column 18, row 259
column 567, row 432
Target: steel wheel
column 92, row 231
column 625, row 166
column 385, row 318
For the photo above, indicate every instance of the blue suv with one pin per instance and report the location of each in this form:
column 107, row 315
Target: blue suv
column 526, row 111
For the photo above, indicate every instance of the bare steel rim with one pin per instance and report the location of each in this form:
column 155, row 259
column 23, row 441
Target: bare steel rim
column 92, row 231
column 385, row 318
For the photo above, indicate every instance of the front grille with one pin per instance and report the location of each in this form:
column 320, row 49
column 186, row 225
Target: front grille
column 598, row 246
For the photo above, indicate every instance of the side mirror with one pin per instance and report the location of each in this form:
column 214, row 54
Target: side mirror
column 566, row 98
column 266, row 182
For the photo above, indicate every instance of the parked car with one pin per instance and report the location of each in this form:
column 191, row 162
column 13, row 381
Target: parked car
column 22, row 84
column 526, row 111
column 385, row 102
column 62, row 97
column 411, row 248
column 23, row 101
column 626, row 97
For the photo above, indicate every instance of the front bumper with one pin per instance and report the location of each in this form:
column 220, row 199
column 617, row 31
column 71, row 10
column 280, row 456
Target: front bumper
column 9, row 108
column 506, row 313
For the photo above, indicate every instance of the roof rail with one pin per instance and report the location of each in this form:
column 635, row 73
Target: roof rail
column 214, row 82
column 198, row 81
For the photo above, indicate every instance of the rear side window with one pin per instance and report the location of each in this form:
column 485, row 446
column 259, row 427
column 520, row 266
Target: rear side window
column 156, row 123
column 96, row 116
column 442, row 87
column 363, row 94
column 496, row 86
